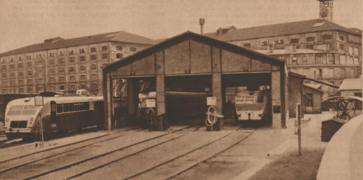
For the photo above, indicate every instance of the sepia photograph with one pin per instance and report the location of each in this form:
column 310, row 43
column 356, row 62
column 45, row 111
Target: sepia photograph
column 181, row 89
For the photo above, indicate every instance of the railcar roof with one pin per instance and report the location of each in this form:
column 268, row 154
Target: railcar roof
column 58, row 100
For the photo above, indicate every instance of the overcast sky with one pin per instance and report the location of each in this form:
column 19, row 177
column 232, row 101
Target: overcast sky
column 26, row 22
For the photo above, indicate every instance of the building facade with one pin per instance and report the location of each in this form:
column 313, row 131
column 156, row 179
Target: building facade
column 65, row 65
column 318, row 48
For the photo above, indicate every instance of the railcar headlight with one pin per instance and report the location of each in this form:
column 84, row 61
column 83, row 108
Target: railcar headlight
column 7, row 120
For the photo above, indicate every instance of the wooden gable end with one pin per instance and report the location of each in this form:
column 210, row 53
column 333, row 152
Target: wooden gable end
column 144, row 66
column 188, row 57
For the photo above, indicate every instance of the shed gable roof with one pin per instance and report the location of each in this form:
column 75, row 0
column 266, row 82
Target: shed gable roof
column 187, row 36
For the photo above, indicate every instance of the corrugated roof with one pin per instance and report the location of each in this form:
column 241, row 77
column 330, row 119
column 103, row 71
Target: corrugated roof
column 281, row 29
column 351, row 84
column 119, row 36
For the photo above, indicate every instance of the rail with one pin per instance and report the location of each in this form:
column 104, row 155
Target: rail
column 343, row 157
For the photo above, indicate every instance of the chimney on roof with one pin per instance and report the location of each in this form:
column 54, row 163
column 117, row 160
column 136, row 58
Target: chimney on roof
column 201, row 22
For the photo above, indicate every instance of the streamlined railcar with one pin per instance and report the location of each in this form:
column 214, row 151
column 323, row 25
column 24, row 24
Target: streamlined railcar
column 23, row 119
column 253, row 105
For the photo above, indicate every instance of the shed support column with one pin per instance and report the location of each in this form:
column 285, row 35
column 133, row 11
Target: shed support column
column 217, row 92
column 131, row 96
column 162, row 123
column 276, row 99
column 107, row 101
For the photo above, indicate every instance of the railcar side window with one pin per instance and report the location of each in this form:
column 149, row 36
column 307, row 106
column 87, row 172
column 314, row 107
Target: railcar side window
column 59, row 108
column 71, row 107
column 65, row 107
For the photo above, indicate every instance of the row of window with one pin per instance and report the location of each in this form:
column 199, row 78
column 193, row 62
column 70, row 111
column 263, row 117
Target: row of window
column 72, row 87
column 328, row 73
column 294, row 41
column 71, row 52
column 320, row 59
column 72, row 107
column 51, row 71
column 40, row 63
column 51, row 80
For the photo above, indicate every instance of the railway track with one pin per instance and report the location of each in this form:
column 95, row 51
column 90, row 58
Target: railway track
column 6, row 143
column 133, row 148
column 10, row 166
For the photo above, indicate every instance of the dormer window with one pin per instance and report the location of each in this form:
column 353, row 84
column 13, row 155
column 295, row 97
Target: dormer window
column 294, row 41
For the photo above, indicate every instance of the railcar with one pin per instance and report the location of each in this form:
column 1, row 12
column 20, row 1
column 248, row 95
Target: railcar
column 253, row 105
column 178, row 105
column 6, row 98
column 57, row 114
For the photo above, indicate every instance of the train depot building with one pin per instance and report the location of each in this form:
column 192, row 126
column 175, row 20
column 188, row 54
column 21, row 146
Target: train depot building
column 178, row 74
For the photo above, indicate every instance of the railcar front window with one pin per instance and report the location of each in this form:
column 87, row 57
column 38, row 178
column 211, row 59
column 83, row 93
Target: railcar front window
column 22, row 110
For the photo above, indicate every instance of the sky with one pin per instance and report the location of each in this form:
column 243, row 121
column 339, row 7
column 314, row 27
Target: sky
column 26, row 22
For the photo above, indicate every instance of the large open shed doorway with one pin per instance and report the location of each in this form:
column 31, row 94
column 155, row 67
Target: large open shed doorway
column 127, row 95
column 247, row 98
column 185, row 98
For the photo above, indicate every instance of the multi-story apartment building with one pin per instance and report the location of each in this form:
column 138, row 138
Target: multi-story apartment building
column 65, row 65
column 317, row 48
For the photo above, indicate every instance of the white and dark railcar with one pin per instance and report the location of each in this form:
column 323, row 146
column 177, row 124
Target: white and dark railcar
column 253, row 105
column 58, row 114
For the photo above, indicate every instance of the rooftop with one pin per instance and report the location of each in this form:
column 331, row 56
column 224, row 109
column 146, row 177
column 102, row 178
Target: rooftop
column 296, row 27
column 58, row 42
column 351, row 84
